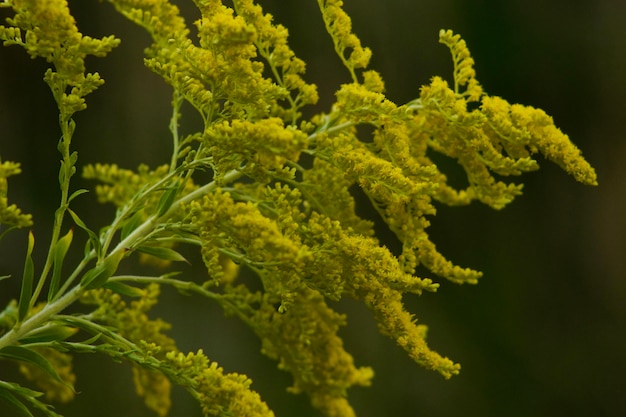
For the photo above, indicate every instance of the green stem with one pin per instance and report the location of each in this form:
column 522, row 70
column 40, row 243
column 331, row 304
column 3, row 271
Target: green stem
column 183, row 286
column 75, row 274
column 178, row 284
column 66, row 172
column 36, row 320
column 128, row 209
column 177, row 101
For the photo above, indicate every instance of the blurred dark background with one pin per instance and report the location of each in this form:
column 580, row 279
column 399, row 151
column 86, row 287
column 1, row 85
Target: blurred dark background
column 543, row 333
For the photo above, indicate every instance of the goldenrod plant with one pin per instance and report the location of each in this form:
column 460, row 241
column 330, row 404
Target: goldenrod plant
column 267, row 197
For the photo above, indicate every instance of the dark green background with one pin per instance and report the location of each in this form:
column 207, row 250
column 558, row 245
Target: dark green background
column 544, row 332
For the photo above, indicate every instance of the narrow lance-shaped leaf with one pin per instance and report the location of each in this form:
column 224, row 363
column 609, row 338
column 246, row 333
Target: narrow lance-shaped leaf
column 163, row 253
column 15, row 405
column 124, row 289
column 131, row 224
column 20, row 353
column 18, row 398
column 93, row 238
column 27, row 279
column 60, row 251
column 20, row 390
column 50, row 333
column 98, row 276
column 76, row 194
column 167, row 199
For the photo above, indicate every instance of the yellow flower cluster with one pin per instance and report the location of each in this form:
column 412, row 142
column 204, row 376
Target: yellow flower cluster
column 304, row 340
column 393, row 169
column 47, row 29
column 279, row 198
column 526, row 128
column 240, row 231
column 333, row 199
column 347, row 44
column 361, row 104
column 11, row 216
column 368, row 272
column 158, row 363
column 221, row 77
column 464, row 73
column 154, row 388
column 302, row 257
column 228, row 50
column 271, row 42
column 219, row 394
column 293, row 321
column 497, row 137
column 295, row 226
column 261, row 146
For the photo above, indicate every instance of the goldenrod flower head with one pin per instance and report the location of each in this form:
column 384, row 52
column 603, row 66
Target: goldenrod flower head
column 347, row 44
column 47, row 29
column 10, row 215
column 464, row 73
column 266, row 144
column 272, row 45
column 154, row 388
column 218, row 393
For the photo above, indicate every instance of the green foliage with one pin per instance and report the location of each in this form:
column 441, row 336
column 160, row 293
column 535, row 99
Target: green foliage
column 27, row 280
column 279, row 202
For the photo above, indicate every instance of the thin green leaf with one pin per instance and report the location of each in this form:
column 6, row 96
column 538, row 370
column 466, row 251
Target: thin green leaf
column 15, row 405
column 87, row 346
column 167, row 199
column 20, row 353
column 85, row 325
column 20, row 390
column 77, row 347
column 5, row 277
column 88, row 247
column 60, row 250
column 27, row 279
column 93, row 238
column 98, row 275
column 161, row 252
column 76, row 194
column 29, row 398
column 92, row 340
column 124, row 289
column 170, row 274
column 50, row 333
column 131, row 224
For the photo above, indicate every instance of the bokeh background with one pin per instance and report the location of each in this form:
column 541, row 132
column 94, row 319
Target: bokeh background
column 542, row 334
